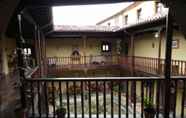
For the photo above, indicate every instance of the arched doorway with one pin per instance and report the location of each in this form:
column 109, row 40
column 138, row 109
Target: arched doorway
column 75, row 57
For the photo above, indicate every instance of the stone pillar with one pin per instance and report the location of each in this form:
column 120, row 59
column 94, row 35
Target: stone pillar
column 4, row 58
column 7, row 92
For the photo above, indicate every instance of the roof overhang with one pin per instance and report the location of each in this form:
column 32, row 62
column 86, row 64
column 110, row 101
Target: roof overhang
column 78, row 34
column 146, row 26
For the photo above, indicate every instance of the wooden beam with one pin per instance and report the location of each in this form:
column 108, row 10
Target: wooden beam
column 72, row 2
column 28, row 17
column 132, row 55
column 7, row 8
column 84, row 44
column 88, row 34
column 168, row 58
column 159, row 51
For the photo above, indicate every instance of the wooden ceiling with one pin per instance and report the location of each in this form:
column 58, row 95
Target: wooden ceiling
column 39, row 11
column 36, row 3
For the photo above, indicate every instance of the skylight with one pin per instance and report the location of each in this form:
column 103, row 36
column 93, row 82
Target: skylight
column 83, row 15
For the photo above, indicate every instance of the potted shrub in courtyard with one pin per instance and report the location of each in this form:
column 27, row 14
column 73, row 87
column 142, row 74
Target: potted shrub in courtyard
column 149, row 108
column 60, row 112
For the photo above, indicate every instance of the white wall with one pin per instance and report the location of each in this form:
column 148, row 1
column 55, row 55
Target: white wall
column 63, row 47
column 148, row 10
column 143, row 46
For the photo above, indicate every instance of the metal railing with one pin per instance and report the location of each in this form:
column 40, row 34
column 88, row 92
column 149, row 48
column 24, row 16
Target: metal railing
column 102, row 97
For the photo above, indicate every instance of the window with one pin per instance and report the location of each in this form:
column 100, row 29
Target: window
column 116, row 20
column 27, row 51
column 158, row 7
column 126, row 19
column 175, row 43
column 106, row 47
column 139, row 14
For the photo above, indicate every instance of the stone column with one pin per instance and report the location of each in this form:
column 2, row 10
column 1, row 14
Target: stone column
column 4, row 58
column 7, row 92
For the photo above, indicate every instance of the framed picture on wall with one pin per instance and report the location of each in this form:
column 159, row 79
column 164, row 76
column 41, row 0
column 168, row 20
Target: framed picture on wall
column 175, row 43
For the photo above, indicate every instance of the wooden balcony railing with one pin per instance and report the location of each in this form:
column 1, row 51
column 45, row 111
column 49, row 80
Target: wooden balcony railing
column 103, row 97
column 144, row 64
column 58, row 64
column 83, row 60
column 156, row 66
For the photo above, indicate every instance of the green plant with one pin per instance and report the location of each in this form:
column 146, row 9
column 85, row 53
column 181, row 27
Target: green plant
column 149, row 108
column 148, row 103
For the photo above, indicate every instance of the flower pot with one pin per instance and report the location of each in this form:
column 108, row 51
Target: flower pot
column 61, row 112
column 149, row 112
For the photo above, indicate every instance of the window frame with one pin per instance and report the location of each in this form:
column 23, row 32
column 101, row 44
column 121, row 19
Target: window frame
column 107, row 45
column 158, row 7
column 27, row 51
column 139, row 13
column 126, row 17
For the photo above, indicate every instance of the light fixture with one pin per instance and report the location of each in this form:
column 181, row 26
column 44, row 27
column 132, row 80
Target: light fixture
column 156, row 35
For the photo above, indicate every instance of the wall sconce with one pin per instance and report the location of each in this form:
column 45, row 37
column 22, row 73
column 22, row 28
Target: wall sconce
column 156, row 35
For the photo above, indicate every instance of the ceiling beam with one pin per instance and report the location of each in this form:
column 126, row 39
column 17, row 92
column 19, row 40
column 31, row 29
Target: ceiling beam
column 72, row 2
column 7, row 8
column 28, row 17
column 88, row 34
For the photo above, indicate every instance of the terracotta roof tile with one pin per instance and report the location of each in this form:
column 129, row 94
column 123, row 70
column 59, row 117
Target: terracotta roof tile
column 95, row 28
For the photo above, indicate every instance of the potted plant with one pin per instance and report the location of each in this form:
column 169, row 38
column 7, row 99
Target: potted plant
column 149, row 108
column 60, row 112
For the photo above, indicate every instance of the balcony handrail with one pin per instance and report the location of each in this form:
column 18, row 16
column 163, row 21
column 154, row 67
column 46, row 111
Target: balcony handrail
column 116, row 55
column 76, row 90
column 156, row 58
column 103, row 78
column 151, row 65
column 85, row 56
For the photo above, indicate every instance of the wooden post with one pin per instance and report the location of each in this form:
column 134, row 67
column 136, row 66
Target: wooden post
column 36, row 45
column 132, row 66
column 19, row 43
column 168, row 57
column 44, row 53
column 84, row 47
column 40, row 52
column 159, row 52
column 5, row 69
column 132, row 55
